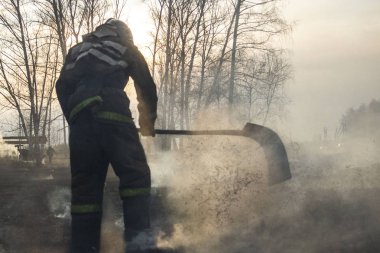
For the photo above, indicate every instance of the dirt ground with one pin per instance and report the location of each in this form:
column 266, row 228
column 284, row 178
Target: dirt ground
column 35, row 214
column 27, row 225
column 330, row 205
column 34, row 210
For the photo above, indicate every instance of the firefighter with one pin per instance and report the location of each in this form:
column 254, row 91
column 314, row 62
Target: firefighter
column 91, row 93
column 50, row 153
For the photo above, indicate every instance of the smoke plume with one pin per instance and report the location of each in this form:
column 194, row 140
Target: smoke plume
column 219, row 202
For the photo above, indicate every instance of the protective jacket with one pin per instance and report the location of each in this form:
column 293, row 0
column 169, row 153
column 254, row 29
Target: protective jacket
column 95, row 74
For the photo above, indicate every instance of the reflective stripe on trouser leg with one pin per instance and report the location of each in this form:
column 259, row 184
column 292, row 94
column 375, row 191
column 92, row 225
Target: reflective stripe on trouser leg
column 85, row 208
column 133, row 192
column 136, row 209
column 88, row 171
column 127, row 156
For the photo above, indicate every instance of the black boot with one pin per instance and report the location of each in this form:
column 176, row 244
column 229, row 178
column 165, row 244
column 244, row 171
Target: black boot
column 136, row 212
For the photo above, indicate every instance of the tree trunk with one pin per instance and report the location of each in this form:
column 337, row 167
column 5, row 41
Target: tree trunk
column 190, row 70
column 215, row 83
column 233, row 57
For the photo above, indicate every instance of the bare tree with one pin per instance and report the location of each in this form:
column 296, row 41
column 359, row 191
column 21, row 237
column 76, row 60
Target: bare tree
column 233, row 53
column 201, row 51
column 201, row 5
column 94, row 13
column 53, row 14
column 278, row 72
column 185, row 20
column 215, row 90
column 261, row 82
column 26, row 61
column 118, row 8
column 211, row 26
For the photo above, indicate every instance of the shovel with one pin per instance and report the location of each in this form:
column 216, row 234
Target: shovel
column 274, row 150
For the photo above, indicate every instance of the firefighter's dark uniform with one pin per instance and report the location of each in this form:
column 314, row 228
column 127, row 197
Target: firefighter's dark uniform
column 50, row 153
column 90, row 91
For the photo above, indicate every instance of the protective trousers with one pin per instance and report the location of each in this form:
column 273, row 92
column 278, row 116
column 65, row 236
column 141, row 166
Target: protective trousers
column 93, row 146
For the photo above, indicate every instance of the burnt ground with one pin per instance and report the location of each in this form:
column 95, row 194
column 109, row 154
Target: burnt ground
column 324, row 208
column 34, row 210
column 34, row 214
column 26, row 222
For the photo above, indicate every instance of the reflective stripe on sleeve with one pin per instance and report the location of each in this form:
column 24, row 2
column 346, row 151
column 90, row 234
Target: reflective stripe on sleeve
column 113, row 116
column 82, row 105
column 132, row 192
column 85, row 208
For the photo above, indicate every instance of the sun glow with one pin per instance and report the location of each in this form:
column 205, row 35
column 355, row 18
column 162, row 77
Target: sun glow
column 136, row 15
column 140, row 22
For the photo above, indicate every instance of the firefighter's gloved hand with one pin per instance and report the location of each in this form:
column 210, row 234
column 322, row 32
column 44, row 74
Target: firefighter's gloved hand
column 147, row 130
column 147, row 126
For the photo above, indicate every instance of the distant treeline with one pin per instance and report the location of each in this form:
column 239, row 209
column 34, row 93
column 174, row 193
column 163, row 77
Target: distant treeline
column 363, row 121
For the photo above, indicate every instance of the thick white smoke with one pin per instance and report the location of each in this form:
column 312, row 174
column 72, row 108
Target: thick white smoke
column 219, row 202
column 7, row 150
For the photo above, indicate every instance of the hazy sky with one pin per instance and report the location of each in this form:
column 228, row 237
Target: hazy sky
column 335, row 51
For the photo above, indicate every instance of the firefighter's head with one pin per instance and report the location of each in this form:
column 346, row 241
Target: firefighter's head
column 113, row 27
column 121, row 28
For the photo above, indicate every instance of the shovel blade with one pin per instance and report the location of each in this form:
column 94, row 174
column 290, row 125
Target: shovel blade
column 274, row 149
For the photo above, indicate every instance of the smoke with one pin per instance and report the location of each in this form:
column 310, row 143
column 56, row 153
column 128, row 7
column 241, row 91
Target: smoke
column 7, row 150
column 218, row 200
column 215, row 199
column 207, row 183
column 59, row 202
